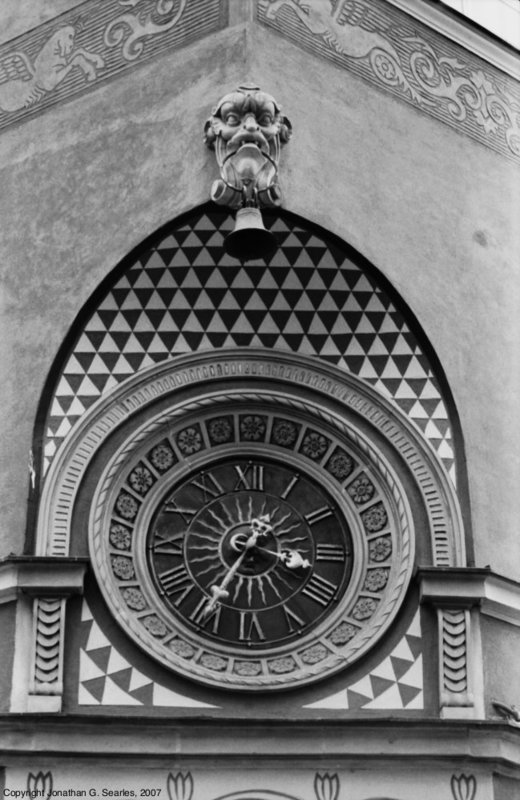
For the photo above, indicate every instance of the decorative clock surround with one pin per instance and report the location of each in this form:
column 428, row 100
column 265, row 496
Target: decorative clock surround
column 173, row 515
column 210, row 446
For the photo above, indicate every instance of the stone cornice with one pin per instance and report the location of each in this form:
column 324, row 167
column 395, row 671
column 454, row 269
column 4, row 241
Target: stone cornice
column 464, row 33
column 41, row 576
column 212, row 739
column 497, row 596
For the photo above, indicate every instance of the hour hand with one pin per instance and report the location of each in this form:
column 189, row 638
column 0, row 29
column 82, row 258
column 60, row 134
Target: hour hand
column 293, row 559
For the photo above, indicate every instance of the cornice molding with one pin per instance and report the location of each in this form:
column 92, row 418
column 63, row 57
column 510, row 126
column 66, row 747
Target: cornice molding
column 497, row 596
column 41, row 576
column 463, row 33
column 212, row 739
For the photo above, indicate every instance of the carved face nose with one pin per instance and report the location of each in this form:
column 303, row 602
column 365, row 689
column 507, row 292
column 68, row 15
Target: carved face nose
column 250, row 123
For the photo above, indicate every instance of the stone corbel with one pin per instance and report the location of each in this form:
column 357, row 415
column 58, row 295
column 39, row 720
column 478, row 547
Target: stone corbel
column 457, row 594
column 42, row 586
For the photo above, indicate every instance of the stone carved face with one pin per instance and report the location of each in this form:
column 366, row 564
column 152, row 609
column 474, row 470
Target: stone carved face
column 246, row 129
column 247, row 115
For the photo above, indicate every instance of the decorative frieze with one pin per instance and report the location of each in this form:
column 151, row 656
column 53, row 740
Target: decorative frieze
column 396, row 53
column 92, row 43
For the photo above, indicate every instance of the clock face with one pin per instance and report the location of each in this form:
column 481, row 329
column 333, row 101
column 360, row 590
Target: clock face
column 249, row 552
column 250, row 545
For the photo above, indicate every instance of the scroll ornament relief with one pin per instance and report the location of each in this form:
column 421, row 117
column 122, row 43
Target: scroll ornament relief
column 435, row 81
column 141, row 25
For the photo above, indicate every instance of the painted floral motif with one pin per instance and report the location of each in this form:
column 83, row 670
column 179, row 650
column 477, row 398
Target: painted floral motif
column 155, row 625
column 252, row 428
column 134, row 599
column 180, row 787
column 162, row 457
column 463, row 787
column 189, row 441
column 340, row 464
column 326, row 786
column 120, row 537
column 182, row 648
column 220, row 430
column 343, row 633
column 361, row 490
column 374, row 518
column 379, row 549
column 140, row 479
column 364, row 608
column 127, row 505
column 314, row 654
column 248, row 667
column 39, row 785
column 314, row 445
column 281, row 665
column 123, row 568
column 376, row 579
column 213, row 662
column 285, row 432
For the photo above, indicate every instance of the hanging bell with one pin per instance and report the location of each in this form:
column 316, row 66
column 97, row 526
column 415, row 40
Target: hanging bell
column 249, row 240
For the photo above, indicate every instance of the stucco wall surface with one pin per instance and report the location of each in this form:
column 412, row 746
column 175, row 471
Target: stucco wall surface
column 88, row 180
column 19, row 16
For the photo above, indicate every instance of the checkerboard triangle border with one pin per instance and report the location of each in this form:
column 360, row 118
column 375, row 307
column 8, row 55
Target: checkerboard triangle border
column 178, row 293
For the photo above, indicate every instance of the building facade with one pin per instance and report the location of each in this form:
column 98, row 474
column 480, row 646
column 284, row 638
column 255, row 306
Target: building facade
column 259, row 534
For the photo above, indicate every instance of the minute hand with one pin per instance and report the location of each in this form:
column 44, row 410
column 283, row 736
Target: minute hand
column 220, row 592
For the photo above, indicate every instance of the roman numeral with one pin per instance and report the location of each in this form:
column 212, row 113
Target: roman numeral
column 250, row 478
column 318, row 514
column 250, row 626
column 168, row 545
column 290, row 618
column 290, row 486
column 329, row 552
column 208, row 485
column 201, row 618
column 171, row 507
column 175, row 581
column 320, row 590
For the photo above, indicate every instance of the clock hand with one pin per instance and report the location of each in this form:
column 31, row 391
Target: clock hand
column 290, row 558
column 259, row 527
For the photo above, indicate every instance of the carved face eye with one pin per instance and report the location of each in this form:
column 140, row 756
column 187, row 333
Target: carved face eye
column 266, row 120
column 231, row 119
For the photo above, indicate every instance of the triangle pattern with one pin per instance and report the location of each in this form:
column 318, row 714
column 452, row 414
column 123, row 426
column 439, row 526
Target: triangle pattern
column 309, row 297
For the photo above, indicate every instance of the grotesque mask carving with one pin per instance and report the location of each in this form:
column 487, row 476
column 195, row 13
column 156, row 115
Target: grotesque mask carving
column 246, row 130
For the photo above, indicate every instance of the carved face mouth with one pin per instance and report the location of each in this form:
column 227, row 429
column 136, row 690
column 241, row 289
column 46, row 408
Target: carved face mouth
column 243, row 137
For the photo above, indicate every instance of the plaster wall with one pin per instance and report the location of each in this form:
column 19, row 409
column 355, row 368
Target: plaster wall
column 86, row 181
column 19, row 16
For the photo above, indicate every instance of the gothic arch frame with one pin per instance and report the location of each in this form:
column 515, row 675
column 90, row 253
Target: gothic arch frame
column 334, row 241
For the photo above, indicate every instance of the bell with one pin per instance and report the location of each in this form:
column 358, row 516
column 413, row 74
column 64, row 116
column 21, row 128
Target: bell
column 249, row 240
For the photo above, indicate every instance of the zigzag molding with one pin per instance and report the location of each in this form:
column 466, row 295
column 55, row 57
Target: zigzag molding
column 48, row 616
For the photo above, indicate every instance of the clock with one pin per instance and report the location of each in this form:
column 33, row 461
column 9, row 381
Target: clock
column 251, row 540
column 249, row 552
